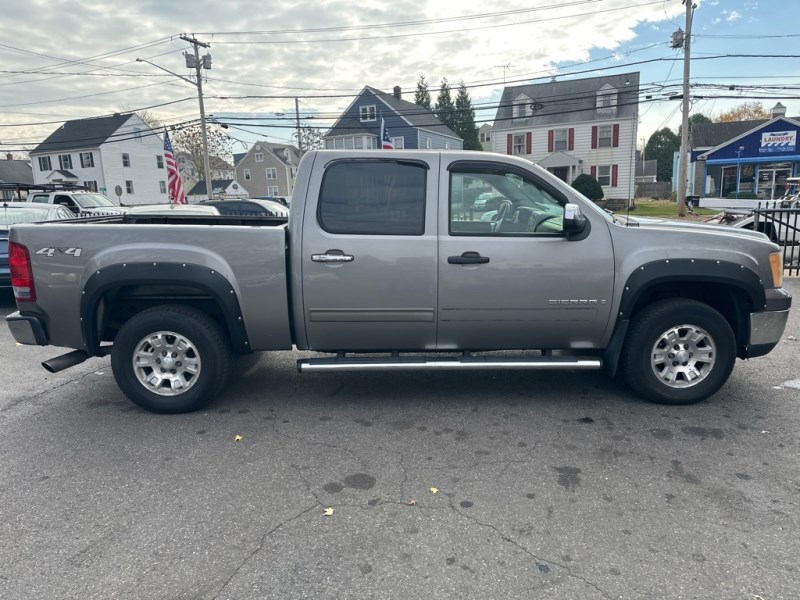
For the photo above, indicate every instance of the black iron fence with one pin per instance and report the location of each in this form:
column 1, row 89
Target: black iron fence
column 781, row 222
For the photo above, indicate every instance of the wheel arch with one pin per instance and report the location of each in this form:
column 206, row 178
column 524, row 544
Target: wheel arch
column 114, row 294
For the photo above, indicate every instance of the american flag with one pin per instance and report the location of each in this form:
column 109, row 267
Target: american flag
column 385, row 139
column 174, row 183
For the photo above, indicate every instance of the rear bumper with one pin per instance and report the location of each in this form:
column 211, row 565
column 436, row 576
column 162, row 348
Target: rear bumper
column 27, row 329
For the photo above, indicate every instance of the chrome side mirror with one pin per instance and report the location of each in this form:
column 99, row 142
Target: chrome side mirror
column 574, row 221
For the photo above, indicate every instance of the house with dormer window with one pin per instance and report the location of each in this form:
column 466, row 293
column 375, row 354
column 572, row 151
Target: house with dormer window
column 268, row 169
column 105, row 154
column 410, row 126
column 575, row 126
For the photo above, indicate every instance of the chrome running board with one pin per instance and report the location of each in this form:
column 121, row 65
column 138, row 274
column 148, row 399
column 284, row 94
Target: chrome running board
column 460, row 363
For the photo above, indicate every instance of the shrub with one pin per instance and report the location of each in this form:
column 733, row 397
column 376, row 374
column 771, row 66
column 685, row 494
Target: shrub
column 588, row 186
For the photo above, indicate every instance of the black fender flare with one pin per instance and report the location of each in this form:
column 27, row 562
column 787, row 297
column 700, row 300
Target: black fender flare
column 681, row 270
column 204, row 278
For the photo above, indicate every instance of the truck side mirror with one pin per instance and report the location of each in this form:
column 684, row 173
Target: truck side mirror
column 574, row 221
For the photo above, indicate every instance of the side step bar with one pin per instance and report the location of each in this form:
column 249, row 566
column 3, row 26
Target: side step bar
column 461, row 363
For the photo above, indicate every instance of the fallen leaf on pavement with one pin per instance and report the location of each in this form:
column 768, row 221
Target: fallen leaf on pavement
column 328, row 512
column 412, row 502
column 434, row 490
column 238, row 438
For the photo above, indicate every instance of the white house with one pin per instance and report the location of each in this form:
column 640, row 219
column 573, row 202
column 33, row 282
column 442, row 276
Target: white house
column 575, row 126
column 106, row 154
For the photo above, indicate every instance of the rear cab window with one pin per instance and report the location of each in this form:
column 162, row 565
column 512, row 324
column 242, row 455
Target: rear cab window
column 373, row 197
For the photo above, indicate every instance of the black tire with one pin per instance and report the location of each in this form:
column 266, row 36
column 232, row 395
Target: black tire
column 193, row 347
column 678, row 351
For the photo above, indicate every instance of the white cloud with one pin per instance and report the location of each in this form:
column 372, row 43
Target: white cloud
column 715, row 20
column 284, row 62
column 732, row 16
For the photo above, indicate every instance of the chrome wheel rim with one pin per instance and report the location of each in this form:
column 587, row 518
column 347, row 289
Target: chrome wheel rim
column 683, row 356
column 166, row 363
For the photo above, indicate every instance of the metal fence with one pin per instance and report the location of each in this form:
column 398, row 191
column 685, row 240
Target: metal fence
column 781, row 222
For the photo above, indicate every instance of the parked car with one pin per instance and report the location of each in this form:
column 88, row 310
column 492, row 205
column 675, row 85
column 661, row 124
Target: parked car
column 488, row 201
column 248, row 207
column 377, row 269
column 82, row 204
column 12, row 213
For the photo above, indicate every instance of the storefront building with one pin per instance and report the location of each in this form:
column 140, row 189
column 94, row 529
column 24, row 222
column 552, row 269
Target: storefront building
column 753, row 166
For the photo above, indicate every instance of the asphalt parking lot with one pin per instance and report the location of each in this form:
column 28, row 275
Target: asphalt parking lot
column 547, row 485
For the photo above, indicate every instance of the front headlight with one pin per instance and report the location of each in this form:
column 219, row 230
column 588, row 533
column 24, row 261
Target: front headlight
column 776, row 262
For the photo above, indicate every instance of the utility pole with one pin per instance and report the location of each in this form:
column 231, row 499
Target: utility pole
column 197, row 64
column 297, row 115
column 684, row 162
column 194, row 62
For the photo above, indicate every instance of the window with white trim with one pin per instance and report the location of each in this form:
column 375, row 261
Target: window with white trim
column 272, row 173
column 44, row 163
column 247, row 176
column 604, row 175
column 485, row 137
column 65, row 161
column 272, row 190
column 518, row 143
column 606, row 101
column 129, row 186
column 604, row 133
column 521, row 107
column 162, row 185
column 126, row 159
column 90, row 185
column 367, row 113
column 560, row 139
column 137, row 135
column 159, row 161
column 399, row 142
column 259, row 157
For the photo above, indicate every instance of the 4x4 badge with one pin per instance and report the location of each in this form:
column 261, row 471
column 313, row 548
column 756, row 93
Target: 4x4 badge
column 54, row 251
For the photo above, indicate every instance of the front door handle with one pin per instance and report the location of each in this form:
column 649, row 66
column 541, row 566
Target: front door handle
column 332, row 256
column 468, row 258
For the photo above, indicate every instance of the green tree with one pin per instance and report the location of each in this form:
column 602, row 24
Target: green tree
column 661, row 147
column 588, row 186
column 189, row 140
column 695, row 119
column 465, row 119
column 445, row 109
column 422, row 97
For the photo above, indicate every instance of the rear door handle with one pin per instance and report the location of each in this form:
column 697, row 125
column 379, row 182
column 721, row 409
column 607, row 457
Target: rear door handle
column 468, row 258
column 332, row 256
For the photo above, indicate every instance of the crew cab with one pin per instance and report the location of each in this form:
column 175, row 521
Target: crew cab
column 82, row 204
column 386, row 263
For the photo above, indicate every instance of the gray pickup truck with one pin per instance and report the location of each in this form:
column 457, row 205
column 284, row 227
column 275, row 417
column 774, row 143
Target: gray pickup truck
column 388, row 262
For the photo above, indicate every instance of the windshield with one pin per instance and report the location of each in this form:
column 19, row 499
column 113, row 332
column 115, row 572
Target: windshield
column 93, row 200
column 10, row 216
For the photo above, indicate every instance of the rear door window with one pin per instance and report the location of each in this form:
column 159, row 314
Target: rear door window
column 373, row 197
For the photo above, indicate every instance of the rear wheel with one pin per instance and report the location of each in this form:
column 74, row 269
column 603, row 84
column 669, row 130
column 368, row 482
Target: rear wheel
column 678, row 351
column 171, row 359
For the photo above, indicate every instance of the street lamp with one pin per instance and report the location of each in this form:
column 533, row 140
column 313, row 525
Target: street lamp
column 738, row 168
column 199, row 85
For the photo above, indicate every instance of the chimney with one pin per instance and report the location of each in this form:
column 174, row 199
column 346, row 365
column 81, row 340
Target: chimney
column 779, row 110
column 397, row 92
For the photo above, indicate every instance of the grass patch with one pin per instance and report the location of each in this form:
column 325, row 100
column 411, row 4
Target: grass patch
column 663, row 208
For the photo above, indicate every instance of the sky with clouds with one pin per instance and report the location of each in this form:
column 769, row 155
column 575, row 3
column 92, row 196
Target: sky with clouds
column 65, row 60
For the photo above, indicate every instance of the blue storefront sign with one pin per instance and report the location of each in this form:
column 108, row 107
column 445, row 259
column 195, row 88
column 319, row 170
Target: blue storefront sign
column 778, row 141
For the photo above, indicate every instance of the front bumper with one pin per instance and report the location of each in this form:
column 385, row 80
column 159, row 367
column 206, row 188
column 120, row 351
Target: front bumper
column 27, row 329
column 766, row 328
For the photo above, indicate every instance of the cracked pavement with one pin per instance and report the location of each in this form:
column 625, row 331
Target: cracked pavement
column 551, row 485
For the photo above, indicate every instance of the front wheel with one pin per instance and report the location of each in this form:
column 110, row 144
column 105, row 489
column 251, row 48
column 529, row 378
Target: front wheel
column 171, row 359
column 678, row 351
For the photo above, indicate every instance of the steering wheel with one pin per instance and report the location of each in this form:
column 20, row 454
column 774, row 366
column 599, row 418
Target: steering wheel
column 503, row 210
column 537, row 220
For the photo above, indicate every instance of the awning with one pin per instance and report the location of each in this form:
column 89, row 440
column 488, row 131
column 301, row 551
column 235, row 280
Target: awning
column 559, row 159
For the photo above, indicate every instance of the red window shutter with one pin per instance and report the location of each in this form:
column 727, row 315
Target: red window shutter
column 550, row 140
column 571, row 140
column 509, row 144
column 528, row 142
column 614, row 173
column 594, row 137
column 594, row 172
column 615, row 141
